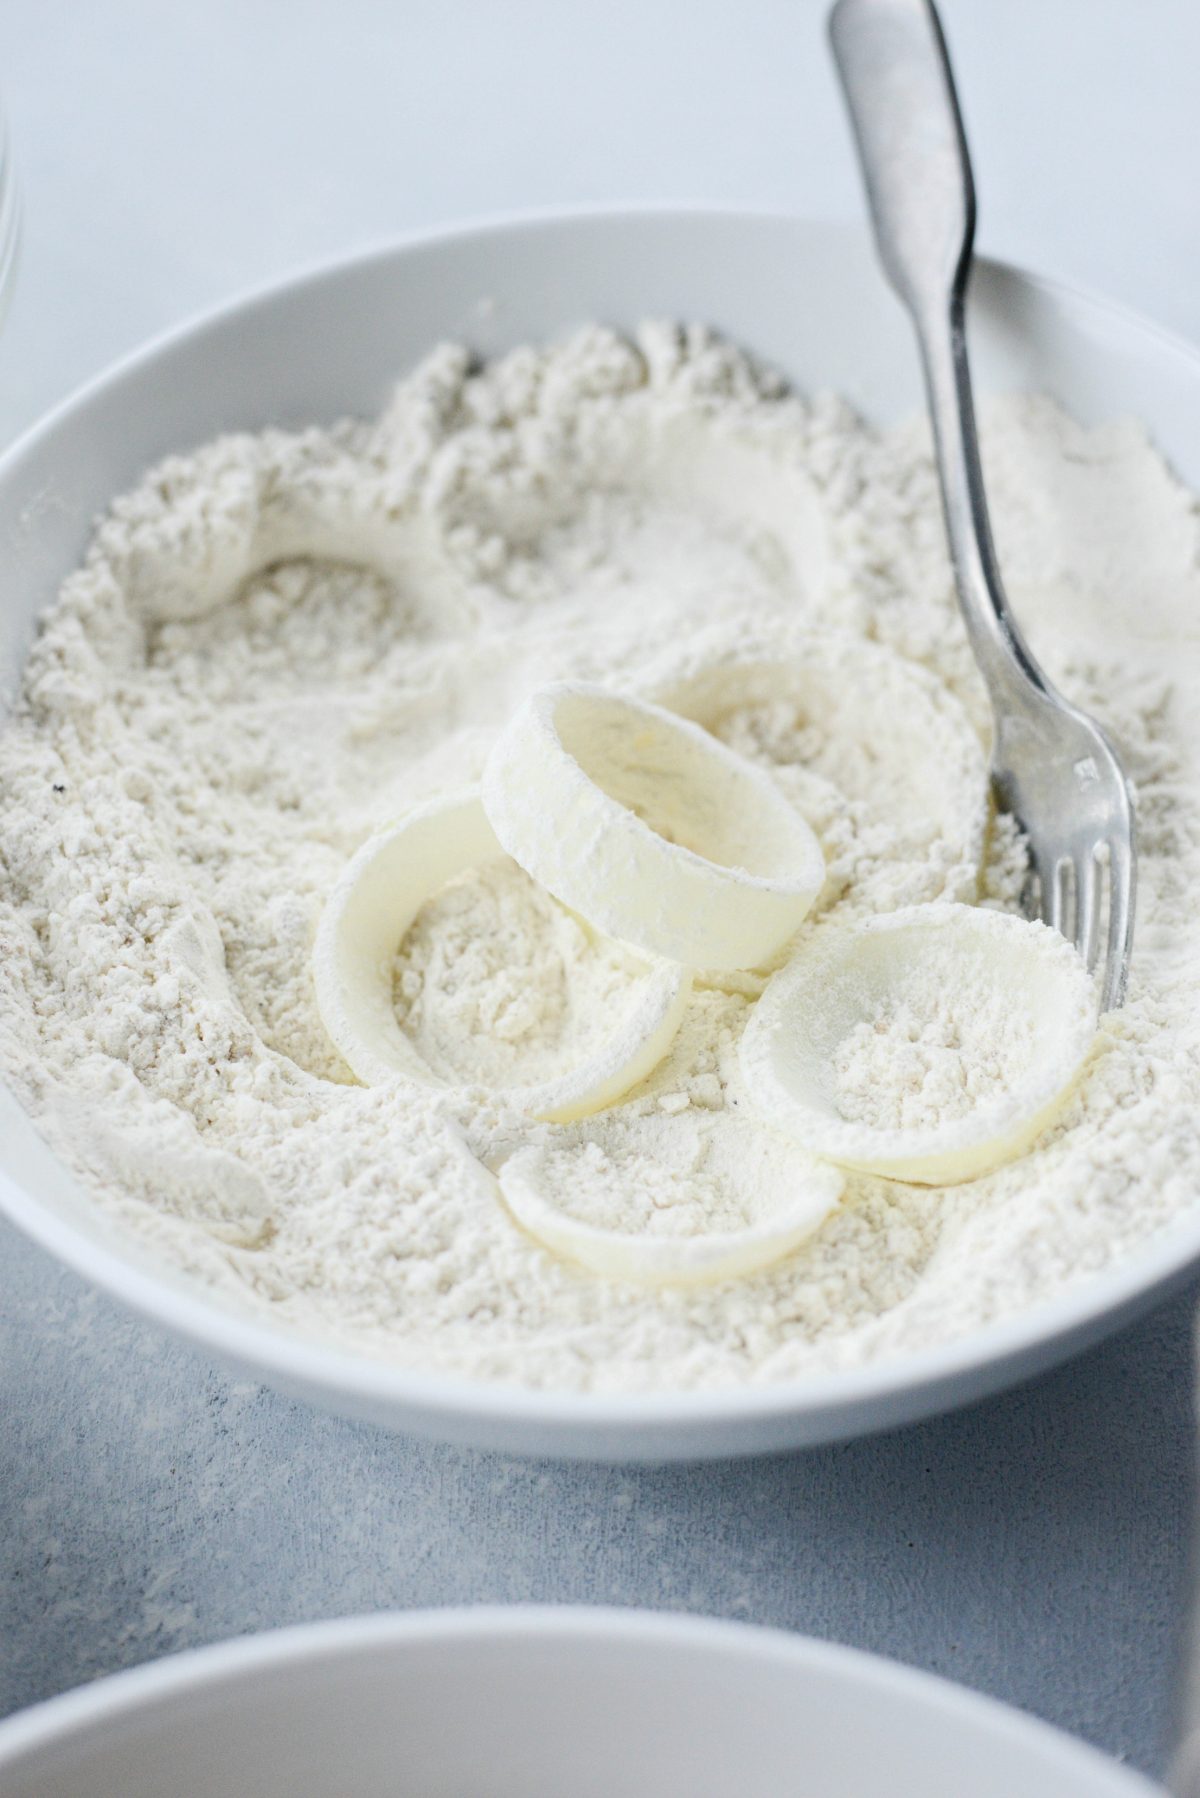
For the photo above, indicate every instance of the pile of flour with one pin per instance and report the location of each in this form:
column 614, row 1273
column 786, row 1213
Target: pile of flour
column 497, row 985
column 280, row 641
column 937, row 1053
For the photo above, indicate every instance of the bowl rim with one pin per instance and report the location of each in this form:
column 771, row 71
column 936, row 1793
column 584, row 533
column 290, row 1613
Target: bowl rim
column 187, row 1673
column 850, row 1402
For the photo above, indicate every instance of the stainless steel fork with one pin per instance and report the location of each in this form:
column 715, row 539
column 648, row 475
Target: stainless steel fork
column 1052, row 766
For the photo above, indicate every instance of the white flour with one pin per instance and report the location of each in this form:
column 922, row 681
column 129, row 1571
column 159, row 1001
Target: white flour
column 278, row 642
column 497, row 984
column 932, row 1054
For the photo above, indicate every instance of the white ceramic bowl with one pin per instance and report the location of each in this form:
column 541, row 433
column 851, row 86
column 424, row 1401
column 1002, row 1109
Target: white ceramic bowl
column 539, row 1704
column 810, row 298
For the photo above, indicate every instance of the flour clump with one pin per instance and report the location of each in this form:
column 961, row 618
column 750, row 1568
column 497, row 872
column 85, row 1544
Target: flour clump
column 929, row 1058
column 497, row 985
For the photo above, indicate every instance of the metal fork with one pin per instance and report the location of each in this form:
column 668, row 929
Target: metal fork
column 1052, row 767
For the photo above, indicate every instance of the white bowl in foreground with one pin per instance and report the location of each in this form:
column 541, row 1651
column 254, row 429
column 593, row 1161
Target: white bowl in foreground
column 558, row 1703
column 808, row 297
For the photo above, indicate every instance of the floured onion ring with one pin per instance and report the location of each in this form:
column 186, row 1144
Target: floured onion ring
column 365, row 920
column 808, row 1191
column 930, row 1044
column 651, row 829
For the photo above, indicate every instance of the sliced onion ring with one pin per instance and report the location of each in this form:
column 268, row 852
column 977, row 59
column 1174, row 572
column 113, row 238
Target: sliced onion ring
column 365, row 920
column 645, row 1260
column 650, row 828
column 841, row 977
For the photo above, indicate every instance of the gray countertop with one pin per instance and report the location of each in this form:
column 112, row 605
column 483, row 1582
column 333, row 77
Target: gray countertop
column 1033, row 1546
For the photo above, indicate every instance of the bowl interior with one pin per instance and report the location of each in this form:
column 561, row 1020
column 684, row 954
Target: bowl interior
column 810, row 298
column 539, row 1705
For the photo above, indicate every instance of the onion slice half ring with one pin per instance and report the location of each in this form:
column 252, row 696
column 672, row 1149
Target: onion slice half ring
column 645, row 1260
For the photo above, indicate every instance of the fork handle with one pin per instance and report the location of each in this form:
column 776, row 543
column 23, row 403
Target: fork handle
column 891, row 57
